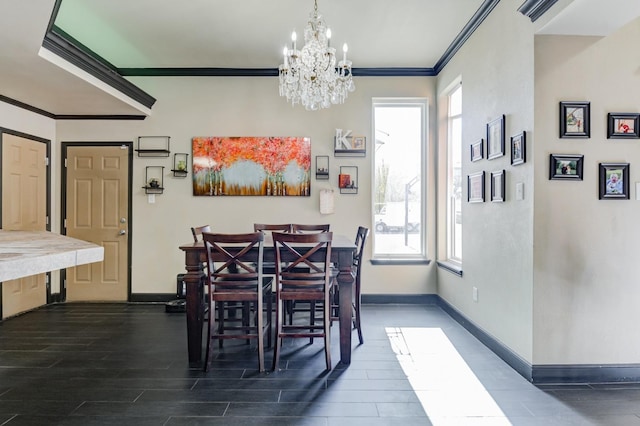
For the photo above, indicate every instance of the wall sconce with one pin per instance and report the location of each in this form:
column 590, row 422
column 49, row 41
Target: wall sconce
column 327, row 201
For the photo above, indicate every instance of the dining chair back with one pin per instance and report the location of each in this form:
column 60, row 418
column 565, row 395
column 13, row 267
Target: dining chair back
column 284, row 227
column 197, row 232
column 299, row 228
column 234, row 272
column 303, row 273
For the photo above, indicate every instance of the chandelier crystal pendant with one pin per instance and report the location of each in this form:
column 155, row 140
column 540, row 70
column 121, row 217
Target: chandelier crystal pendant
column 309, row 76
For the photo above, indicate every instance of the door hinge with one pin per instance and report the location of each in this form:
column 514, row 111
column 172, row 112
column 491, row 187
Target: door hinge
column 47, row 220
column 65, row 163
column 65, row 224
column 46, row 161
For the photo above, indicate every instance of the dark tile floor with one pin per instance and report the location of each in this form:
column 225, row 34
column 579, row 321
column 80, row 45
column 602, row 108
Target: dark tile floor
column 126, row 364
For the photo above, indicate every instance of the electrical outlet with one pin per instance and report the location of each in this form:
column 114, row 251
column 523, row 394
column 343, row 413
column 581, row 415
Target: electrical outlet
column 475, row 294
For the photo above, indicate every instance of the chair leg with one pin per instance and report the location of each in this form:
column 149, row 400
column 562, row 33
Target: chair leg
column 327, row 332
column 259, row 315
column 210, row 325
column 220, row 306
column 270, row 320
column 357, row 322
column 278, row 342
column 312, row 316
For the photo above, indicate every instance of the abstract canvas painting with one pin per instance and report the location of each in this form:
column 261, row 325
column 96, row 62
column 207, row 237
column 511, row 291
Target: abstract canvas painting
column 270, row 166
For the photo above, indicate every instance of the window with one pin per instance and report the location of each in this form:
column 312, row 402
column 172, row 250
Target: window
column 398, row 185
column 454, row 176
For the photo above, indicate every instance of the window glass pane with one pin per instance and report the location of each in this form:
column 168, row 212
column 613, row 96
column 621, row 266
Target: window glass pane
column 398, row 185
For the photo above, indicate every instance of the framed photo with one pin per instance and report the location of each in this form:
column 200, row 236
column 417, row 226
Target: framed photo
column 495, row 138
column 614, row 181
column 518, row 149
column 475, row 187
column 477, row 150
column 567, row 166
column 623, row 126
column 497, row 186
column 575, row 121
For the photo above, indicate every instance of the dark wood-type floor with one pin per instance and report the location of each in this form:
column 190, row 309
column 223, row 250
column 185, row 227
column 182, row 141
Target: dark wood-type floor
column 126, row 364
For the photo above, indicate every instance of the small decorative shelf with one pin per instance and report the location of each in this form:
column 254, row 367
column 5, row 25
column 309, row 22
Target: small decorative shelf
column 153, row 146
column 154, row 178
column 348, row 180
column 322, row 167
column 180, row 164
column 350, row 146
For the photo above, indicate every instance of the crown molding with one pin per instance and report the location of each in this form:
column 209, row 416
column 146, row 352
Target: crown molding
column 469, row 28
column 534, row 9
column 264, row 72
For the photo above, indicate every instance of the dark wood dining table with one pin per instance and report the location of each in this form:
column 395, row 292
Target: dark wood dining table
column 343, row 250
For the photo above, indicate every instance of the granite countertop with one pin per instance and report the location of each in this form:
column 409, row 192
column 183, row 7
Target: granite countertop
column 24, row 253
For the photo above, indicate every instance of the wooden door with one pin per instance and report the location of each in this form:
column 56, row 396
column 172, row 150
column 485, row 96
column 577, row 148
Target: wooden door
column 97, row 210
column 24, row 208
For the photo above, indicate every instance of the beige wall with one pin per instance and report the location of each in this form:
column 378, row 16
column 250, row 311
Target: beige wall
column 496, row 66
column 238, row 106
column 586, row 289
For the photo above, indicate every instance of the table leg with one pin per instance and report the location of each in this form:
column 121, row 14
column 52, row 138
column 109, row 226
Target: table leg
column 346, row 282
column 194, row 307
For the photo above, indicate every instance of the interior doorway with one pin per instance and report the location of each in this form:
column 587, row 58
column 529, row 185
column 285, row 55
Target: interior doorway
column 96, row 207
column 25, row 190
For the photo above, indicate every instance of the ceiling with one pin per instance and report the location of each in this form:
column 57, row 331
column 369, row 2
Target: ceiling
column 238, row 34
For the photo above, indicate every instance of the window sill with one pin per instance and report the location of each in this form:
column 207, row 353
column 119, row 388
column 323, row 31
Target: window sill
column 454, row 268
column 390, row 261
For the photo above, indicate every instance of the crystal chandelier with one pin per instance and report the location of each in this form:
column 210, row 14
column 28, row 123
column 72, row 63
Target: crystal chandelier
column 310, row 76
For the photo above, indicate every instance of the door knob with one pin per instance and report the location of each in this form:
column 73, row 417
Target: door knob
column 122, row 232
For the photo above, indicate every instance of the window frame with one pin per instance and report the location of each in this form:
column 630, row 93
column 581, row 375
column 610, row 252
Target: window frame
column 423, row 105
column 449, row 210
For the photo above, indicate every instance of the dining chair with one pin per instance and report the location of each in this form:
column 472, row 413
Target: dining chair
column 309, row 283
column 299, row 228
column 361, row 238
column 234, row 274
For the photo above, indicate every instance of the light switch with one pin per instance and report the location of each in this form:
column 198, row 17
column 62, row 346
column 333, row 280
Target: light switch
column 152, row 198
column 520, row 191
column 638, row 191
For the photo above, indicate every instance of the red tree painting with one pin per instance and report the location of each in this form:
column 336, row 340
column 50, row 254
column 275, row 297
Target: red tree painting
column 274, row 166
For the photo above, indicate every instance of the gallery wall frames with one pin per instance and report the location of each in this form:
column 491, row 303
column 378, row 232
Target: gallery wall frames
column 495, row 138
column 566, row 166
column 475, row 187
column 613, row 181
column 575, row 119
column 623, row 126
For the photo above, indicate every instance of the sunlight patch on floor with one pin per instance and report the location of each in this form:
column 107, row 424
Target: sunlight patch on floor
column 445, row 385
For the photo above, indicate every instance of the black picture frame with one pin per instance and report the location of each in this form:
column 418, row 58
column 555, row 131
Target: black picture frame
column 623, row 125
column 475, row 187
column 477, row 150
column 495, row 138
column 566, row 166
column 519, row 149
column 498, row 180
column 613, row 181
column 575, row 119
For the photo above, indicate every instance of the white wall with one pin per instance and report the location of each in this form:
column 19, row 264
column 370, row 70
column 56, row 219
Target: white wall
column 587, row 288
column 239, row 106
column 496, row 65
